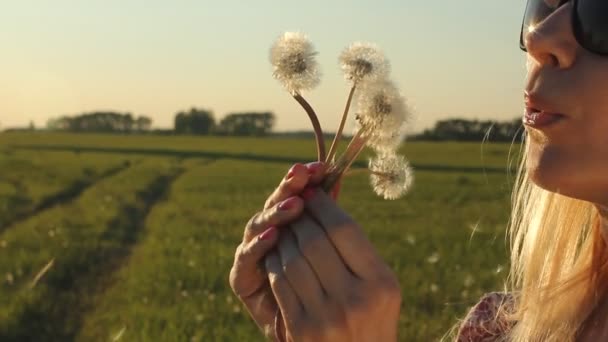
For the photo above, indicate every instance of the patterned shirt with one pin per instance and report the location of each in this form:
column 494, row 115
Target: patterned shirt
column 485, row 322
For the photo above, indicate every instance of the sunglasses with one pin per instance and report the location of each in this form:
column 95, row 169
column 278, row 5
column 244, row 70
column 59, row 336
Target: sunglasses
column 589, row 21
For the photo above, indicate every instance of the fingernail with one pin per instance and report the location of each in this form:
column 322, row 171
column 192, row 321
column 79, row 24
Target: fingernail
column 308, row 193
column 314, row 167
column 288, row 203
column 268, row 234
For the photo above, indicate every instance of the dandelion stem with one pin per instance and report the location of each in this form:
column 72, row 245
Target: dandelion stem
column 315, row 124
column 334, row 144
column 345, row 161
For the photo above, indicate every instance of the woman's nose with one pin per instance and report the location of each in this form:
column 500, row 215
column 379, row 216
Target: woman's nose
column 551, row 42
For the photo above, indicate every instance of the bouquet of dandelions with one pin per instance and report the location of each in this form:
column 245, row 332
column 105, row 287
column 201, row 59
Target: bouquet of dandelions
column 381, row 112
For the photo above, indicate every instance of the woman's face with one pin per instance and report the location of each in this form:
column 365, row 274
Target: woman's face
column 569, row 155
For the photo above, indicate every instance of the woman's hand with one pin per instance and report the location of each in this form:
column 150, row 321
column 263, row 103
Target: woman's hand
column 328, row 280
column 247, row 279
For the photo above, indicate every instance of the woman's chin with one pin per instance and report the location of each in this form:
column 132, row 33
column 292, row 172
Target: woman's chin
column 547, row 167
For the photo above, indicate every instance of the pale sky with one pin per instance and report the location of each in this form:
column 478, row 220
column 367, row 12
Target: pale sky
column 450, row 58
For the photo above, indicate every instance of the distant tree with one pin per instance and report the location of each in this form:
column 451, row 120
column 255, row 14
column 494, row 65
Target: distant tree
column 143, row 123
column 107, row 122
column 247, row 124
column 32, row 126
column 195, row 121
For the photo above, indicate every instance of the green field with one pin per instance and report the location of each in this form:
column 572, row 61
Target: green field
column 131, row 238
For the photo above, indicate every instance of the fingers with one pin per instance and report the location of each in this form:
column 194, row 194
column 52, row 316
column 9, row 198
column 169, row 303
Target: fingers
column 297, row 178
column 322, row 256
column 299, row 274
column 345, row 234
column 246, row 275
column 286, row 297
column 280, row 214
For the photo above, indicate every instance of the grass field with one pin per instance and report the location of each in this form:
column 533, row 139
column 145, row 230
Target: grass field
column 131, row 238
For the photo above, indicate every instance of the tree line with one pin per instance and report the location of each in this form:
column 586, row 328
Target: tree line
column 194, row 122
column 202, row 122
column 473, row 130
column 103, row 122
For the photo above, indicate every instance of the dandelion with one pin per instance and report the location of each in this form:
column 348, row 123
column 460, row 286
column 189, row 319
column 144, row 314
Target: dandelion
column 433, row 258
column 434, row 288
column 381, row 110
column 382, row 115
column 391, row 176
column 469, row 280
column 360, row 62
column 363, row 62
column 10, row 279
column 293, row 59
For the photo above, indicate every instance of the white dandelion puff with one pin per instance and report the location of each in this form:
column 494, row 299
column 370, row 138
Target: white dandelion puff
column 433, row 258
column 363, row 62
column 391, row 176
column 382, row 115
column 293, row 59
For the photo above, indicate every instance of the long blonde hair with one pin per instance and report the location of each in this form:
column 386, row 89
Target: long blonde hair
column 558, row 261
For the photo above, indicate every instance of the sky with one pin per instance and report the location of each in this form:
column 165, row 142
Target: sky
column 449, row 58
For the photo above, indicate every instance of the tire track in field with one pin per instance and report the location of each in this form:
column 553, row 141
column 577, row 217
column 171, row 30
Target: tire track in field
column 74, row 296
column 63, row 196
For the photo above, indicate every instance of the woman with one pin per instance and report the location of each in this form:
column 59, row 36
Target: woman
column 327, row 283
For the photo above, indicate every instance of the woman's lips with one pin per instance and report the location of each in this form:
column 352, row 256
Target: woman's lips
column 539, row 118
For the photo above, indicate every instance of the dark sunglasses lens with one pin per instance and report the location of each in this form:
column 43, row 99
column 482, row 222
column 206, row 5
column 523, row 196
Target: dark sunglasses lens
column 591, row 25
column 536, row 12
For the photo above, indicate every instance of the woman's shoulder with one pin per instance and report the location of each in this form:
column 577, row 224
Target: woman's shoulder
column 487, row 321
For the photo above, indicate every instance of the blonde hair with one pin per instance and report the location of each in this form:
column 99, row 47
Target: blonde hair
column 558, row 261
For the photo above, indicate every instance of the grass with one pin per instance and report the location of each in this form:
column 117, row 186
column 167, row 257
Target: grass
column 149, row 247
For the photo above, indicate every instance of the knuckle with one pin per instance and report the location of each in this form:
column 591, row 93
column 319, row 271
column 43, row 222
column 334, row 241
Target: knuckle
column 253, row 221
column 276, row 279
column 238, row 252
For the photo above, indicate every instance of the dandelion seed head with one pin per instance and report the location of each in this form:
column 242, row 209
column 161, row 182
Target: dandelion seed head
column 469, row 280
column 390, row 176
column 433, row 258
column 383, row 114
column 363, row 62
column 293, row 60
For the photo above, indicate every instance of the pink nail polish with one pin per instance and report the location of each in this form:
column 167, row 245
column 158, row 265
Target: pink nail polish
column 268, row 234
column 314, row 167
column 288, row 203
